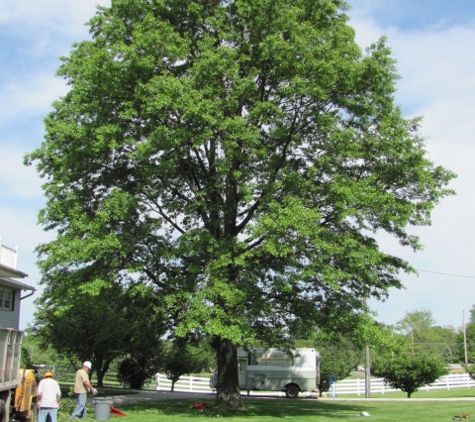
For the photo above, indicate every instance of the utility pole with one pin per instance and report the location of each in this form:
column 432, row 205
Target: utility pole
column 367, row 370
column 465, row 338
column 367, row 374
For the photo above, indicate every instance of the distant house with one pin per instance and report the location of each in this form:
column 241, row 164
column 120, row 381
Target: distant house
column 11, row 288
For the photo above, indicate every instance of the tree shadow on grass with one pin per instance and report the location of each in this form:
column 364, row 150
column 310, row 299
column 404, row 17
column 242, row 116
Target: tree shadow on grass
column 278, row 408
column 67, row 391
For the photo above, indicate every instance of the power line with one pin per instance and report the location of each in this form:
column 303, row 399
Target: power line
column 446, row 274
column 452, row 286
column 441, row 293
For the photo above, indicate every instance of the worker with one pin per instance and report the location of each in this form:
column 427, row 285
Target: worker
column 49, row 396
column 81, row 388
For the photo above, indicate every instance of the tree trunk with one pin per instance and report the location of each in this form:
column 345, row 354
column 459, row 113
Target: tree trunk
column 101, row 372
column 99, row 375
column 100, row 378
column 228, row 393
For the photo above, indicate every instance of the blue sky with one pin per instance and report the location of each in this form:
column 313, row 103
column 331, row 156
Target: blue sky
column 432, row 41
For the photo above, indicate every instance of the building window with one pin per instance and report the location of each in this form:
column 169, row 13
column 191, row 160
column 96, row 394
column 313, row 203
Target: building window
column 6, row 299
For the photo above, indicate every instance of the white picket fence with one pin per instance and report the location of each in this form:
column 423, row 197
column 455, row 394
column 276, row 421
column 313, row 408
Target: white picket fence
column 377, row 385
column 354, row 386
column 192, row 384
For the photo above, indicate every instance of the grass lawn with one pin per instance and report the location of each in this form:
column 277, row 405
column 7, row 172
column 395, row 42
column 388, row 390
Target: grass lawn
column 298, row 410
column 422, row 394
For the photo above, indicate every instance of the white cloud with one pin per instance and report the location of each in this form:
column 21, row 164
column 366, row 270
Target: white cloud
column 46, row 27
column 436, row 66
column 431, row 63
column 22, row 98
column 58, row 15
column 17, row 180
column 19, row 228
column 35, row 33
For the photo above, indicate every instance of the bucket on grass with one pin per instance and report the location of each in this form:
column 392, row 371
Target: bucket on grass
column 102, row 408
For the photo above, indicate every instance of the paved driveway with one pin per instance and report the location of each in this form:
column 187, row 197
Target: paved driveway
column 151, row 396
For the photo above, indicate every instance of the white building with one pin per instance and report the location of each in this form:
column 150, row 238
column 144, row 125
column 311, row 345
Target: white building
column 11, row 288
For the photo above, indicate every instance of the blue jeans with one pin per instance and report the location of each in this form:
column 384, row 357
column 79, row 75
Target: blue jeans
column 80, row 410
column 45, row 411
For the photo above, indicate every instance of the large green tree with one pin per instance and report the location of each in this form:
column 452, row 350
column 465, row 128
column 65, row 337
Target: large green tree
column 241, row 156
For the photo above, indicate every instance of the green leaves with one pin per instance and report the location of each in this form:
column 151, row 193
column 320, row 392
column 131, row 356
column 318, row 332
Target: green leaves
column 240, row 158
column 409, row 372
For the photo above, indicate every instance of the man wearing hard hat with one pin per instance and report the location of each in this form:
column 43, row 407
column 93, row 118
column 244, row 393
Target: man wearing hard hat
column 81, row 387
column 49, row 396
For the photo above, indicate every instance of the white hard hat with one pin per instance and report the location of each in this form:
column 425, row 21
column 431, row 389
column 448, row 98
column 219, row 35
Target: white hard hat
column 87, row 364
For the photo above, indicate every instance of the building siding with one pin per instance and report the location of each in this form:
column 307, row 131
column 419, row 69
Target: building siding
column 11, row 319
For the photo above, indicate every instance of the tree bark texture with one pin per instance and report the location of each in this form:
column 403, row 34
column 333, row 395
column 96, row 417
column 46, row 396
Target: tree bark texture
column 228, row 393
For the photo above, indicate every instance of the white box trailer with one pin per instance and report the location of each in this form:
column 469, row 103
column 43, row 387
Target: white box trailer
column 18, row 389
column 10, row 352
column 273, row 369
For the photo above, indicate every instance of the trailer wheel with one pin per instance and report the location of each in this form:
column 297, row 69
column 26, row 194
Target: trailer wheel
column 32, row 414
column 292, row 391
column 2, row 410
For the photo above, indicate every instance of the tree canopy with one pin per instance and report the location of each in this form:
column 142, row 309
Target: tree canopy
column 420, row 330
column 239, row 156
column 100, row 328
column 408, row 372
column 181, row 357
column 338, row 358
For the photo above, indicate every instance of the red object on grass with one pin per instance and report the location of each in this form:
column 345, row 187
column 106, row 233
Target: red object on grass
column 200, row 406
column 117, row 411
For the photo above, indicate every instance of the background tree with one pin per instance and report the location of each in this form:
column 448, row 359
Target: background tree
column 39, row 353
column 408, row 372
column 238, row 155
column 98, row 328
column 146, row 327
column 420, row 330
column 81, row 327
column 181, row 358
column 26, row 361
column 416, row 322
column 446, row 340
column 132, row 372
column 339, row 356
column 343, row 351
column 469, row 337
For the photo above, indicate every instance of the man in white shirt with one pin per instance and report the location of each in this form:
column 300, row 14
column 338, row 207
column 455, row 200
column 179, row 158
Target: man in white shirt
column 49, row 396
